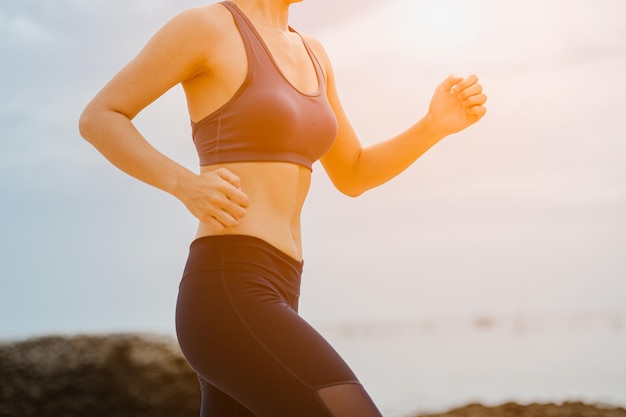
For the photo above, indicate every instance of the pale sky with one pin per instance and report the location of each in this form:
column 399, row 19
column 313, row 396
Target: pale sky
column 523, row 213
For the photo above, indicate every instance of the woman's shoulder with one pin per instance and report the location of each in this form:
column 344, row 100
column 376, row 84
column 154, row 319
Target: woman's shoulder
column 212, row 20
column 319, row 51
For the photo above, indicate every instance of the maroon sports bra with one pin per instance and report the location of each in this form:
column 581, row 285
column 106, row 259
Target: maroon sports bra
column 267, row 119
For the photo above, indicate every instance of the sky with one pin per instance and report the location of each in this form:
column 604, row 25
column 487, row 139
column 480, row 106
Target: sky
column 523, row 213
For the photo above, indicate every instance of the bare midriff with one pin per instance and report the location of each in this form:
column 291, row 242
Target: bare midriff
column 276, row 192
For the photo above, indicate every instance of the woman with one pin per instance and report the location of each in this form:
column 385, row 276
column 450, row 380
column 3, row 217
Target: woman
column 264, row 107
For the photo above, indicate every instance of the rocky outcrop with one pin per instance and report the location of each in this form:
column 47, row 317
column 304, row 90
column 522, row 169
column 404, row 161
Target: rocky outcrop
column 567, row 409
column 129, row 375
column 113, row 375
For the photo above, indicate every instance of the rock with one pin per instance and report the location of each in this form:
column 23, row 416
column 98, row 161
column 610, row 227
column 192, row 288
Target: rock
column 114, row 375
column 567, row 409
column 129, row 375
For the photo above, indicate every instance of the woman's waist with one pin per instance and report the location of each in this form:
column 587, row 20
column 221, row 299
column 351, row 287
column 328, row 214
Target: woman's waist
column 245, row 256
column 276, row 192
column 281, row 232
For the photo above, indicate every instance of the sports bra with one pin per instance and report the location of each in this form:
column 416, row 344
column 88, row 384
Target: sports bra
column 267, row 119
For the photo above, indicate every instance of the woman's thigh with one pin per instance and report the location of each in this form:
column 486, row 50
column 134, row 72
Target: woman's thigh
column 240, row 331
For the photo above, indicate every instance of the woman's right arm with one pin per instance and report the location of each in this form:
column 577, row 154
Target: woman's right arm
column 173, row 55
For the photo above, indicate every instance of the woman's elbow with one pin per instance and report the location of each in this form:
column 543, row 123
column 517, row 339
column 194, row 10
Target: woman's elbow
column 94, row 121
column 349, row 189
column 86, row 122
column 345, row 177
column 353, row 192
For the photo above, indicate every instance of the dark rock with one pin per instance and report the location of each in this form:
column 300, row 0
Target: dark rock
column 114, row 376
column 130, row 375
column 567, row 409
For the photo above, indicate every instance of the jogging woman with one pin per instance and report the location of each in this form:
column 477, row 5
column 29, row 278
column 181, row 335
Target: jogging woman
column 264, row 107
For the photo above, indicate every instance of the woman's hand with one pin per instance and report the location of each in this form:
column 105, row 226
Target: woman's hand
column 215, row 198
column 456, row 104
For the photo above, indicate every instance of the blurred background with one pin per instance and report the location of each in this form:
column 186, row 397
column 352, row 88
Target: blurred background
column 494, row 269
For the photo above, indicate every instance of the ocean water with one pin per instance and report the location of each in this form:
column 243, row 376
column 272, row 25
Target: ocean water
column 418, row 366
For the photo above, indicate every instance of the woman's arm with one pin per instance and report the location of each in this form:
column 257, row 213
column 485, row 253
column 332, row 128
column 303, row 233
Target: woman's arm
column 173, row 55
column 456, row 104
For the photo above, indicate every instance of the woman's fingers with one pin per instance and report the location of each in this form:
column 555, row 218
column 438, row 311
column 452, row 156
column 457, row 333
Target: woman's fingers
column 233, row 208
column 228, row 176
column 466, row 82
column 218, row 225
column 216, row 198
column 472, row 90
column 220, row 213
column 235, row 195
column 225, row 218
column 456, row 104
column 450, row 82
column 470, row 93
column 475, row 100
column 476, row 113
column 227, row 198
column 462, row 85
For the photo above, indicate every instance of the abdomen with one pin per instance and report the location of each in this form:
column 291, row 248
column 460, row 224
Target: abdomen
column 276, row 192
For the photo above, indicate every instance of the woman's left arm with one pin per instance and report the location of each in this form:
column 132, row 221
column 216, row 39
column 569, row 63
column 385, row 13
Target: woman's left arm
column 456, row 104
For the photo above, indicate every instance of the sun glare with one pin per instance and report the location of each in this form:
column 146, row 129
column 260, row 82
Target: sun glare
column 444, row 25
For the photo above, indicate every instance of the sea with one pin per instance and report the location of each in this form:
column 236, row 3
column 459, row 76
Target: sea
column 418, row 366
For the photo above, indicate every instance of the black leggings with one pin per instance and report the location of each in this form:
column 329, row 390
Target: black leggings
column 238, row 327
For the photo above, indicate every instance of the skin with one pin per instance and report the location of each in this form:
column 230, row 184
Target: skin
column 202, row 50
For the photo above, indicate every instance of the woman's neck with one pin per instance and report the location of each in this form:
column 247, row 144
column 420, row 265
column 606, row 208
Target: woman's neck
column 272, row 14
